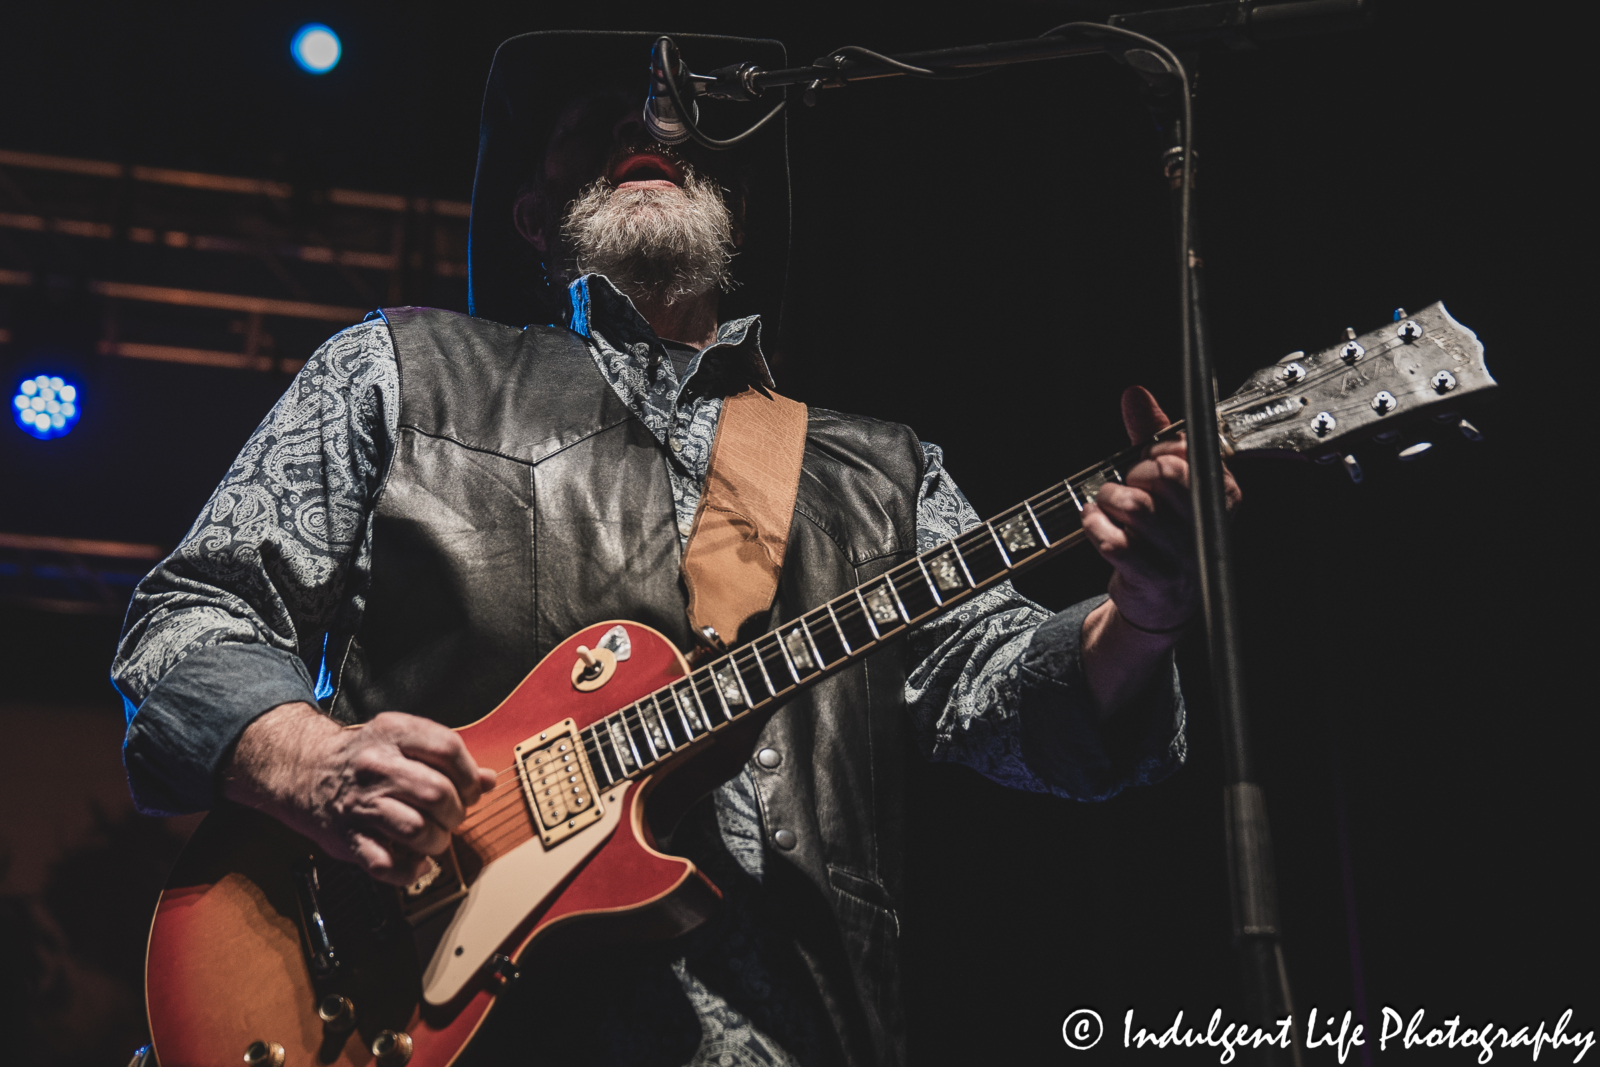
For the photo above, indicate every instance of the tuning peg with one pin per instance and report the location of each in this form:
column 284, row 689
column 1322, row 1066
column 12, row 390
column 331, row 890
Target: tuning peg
column 1353, row 469
column 1469, row 431
column 1415, row 451
column 1349, row 333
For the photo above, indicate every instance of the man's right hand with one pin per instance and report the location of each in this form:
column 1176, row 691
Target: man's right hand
column 383, row 795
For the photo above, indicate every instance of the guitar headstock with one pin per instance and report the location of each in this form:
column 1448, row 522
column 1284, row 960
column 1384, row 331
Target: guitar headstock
column 1318, row 404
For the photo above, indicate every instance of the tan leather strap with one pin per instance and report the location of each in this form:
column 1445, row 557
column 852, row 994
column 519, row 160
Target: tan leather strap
column 741, row 528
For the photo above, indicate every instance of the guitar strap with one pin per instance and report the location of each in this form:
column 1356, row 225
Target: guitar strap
column 741, row 528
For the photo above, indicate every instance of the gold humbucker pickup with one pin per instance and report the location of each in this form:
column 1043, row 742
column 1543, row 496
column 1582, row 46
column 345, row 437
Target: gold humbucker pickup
column 558, row 783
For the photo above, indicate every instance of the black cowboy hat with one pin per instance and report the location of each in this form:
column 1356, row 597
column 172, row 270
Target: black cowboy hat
column 532, row 78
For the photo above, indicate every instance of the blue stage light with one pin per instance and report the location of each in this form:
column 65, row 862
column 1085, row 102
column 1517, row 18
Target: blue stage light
column 46, row 406
column 316, row 48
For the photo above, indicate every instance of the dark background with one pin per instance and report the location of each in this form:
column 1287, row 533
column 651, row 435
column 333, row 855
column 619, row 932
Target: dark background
column 990, row 262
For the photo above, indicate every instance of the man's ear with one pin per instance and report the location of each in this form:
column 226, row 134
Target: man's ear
column 527, row 211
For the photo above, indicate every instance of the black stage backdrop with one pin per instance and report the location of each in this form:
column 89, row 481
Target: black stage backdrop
column 989, row 261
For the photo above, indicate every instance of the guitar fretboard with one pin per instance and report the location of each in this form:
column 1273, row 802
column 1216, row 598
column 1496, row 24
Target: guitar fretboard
column 823, row 641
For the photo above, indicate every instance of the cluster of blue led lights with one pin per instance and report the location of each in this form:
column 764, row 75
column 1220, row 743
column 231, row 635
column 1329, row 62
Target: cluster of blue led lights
column 46, row 407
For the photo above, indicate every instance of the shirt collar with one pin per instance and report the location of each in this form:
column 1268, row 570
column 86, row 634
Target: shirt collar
column 599, row 308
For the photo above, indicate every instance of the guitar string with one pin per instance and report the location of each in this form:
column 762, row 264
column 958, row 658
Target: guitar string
column 496, row 821
column 743, row 659
column 489, row 822
column 505, row 817
column 1042, row 505
column 633, row 717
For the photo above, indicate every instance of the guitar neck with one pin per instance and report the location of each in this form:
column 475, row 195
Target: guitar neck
column 773, row 668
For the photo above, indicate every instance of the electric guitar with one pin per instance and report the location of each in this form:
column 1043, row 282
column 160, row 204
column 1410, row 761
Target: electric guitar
column 264, row 949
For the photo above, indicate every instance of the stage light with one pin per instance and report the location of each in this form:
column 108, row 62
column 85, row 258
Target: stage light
column 46, row 406
column 316, row 48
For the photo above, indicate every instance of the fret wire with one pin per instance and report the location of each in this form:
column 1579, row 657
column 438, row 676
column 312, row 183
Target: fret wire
column 866, row 613
column 716, row 687
column 660, row 720
column 760, row 663
column 972, row 540
column 705, row 719
column 1005, row 557
column 589, row 750
column 756, row 655
column 933, row 586
column 1060, row 506
column 789, row 660
column 843, row 640
column 738, row 677
column 815, row 651
column 607, row 739
column 600, row 755
column 633, row 719
column 661, row 717
column 1038, row 527
column 627, row 733
column 599, row 739
column 1050, row 499
column 904, row 614
column 850, row 611
column 677, row 705
column 600, row 750
column 649, row 741
column 962, row 560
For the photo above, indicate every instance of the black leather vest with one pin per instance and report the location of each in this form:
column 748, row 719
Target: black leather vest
column 523, row 501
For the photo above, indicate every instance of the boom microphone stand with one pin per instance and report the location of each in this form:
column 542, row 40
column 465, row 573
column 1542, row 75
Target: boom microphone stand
column 1253, row 895
column 671, row 116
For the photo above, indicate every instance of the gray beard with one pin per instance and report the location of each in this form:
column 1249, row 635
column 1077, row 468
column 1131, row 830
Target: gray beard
column 656, row 245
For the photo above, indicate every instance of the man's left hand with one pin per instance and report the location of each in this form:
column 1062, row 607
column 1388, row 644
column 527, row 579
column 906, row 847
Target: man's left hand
column 1143, row 526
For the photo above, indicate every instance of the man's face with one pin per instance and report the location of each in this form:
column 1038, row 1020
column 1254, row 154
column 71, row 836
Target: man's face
column 653, row 218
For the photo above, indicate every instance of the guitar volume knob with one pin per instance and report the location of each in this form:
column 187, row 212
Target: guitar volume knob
column 264, row 1054
column 391, row 1048
column 338, row 1014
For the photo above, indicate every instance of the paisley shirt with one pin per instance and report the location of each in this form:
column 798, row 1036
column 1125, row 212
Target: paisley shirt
column 235, row 621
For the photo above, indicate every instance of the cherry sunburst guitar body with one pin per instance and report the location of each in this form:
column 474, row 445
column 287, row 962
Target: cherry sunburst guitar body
column 261, row 944
column 264, row 950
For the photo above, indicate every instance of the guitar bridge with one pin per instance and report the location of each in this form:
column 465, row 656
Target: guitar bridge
column 558, row 782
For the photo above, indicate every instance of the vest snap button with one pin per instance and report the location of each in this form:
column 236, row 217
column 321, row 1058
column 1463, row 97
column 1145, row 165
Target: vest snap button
column 785, row 839
column 769, row 758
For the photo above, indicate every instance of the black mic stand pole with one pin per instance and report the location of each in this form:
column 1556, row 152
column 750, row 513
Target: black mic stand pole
column 1252, row 885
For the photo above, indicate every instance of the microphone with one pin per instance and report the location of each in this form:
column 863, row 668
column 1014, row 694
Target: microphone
column 661, row 118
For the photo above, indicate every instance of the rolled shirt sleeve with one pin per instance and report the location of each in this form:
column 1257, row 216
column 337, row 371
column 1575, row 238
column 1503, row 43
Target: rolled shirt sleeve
column 234, row 621
column 998, row 685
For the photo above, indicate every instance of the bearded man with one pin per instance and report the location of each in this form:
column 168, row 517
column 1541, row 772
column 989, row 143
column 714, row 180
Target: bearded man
column 440, row 499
